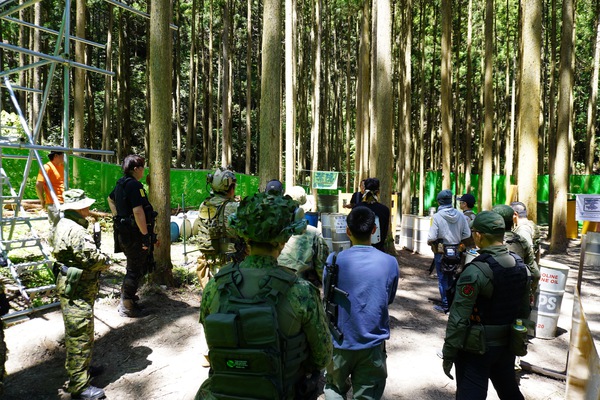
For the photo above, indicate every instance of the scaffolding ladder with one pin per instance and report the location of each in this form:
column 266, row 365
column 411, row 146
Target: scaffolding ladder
column 17, row 231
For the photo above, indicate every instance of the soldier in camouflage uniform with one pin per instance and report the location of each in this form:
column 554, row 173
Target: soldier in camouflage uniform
column 307, row 252
column 266, row 222
column 218, row 243
column 519, row 245
column 526, row 228
column 77, row 285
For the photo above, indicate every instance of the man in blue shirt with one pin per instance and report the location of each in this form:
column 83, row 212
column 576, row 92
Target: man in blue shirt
column 371, row 279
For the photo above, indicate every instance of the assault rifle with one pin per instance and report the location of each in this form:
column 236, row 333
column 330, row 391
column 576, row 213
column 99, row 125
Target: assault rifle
column 331, row 306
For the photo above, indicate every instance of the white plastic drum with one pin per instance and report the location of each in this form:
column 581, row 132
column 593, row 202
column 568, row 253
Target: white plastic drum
column 551, row 290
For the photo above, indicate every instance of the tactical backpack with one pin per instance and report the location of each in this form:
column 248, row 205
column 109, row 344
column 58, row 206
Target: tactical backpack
column 212, row 231
column 249, row 357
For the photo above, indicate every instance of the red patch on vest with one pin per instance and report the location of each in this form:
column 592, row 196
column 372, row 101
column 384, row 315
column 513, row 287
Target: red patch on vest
column 467, row 290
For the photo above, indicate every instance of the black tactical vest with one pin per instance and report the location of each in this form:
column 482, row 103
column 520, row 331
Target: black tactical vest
column 510, row 285
column 124, row 209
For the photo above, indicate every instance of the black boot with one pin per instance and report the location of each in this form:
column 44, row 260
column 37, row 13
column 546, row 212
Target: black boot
column 128, row 308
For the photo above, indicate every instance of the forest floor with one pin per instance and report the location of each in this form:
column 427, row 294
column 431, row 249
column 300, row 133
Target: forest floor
column 159, row 356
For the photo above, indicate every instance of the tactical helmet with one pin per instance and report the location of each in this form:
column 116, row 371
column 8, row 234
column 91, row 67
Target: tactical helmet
column 267, row 218
column 507, row 214
column 221, row 180
column 298, row 194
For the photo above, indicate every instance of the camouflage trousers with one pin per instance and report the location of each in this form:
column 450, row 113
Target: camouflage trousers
column 78, row 316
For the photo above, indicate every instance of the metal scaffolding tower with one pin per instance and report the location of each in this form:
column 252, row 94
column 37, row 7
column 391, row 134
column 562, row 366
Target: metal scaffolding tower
column 27, row 136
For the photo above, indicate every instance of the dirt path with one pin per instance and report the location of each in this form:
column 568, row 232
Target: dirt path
column 159, row 356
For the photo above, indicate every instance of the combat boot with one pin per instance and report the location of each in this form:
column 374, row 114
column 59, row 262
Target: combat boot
column 90, row 393
column 128, row 308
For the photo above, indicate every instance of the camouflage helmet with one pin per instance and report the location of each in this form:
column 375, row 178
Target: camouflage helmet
column 221, row 180
column 267, row 218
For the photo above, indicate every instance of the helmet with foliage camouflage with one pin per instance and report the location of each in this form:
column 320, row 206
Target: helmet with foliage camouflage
column 221, row 180
column 267, row 218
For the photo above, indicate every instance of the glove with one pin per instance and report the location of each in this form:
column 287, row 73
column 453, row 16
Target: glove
column 447, row 364
column 146, row 240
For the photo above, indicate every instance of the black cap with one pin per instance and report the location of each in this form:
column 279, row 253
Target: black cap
column 274, row 187
column 468, row 198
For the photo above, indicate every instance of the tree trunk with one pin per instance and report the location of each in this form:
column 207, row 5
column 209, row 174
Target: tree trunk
column 316, row 97
column 160, row 151
column 363, row 96
column 469, row 104
column 422, row 86
column 407, row 121
column 290, row 93
column 79, row 75
column 529, row 105
column 270, row 109
column 107, row 141
column 227, row 87
column 383, row 101
column 488, row 90
column 446, row 91
column 560, row 178
column 176, row 94
column 248, row 89
column 590, row 148
column 192, row 112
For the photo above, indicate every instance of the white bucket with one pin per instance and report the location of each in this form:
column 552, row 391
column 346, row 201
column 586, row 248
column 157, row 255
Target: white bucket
column 339, row 246
column 553, row 275
column 420, row 234
column 406, row 231
column 545, row 324
column 334, row 226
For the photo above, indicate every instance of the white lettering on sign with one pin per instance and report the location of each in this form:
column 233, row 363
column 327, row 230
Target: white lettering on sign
column 548, row 303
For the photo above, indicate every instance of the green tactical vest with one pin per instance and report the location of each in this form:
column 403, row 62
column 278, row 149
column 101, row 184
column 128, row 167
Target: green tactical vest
column 249, row 356
column 212, row 230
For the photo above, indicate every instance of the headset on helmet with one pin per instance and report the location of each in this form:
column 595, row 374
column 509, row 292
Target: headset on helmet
column 221, row 180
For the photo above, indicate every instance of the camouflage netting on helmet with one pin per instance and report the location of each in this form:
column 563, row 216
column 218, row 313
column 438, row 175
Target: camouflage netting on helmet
column 266, row 218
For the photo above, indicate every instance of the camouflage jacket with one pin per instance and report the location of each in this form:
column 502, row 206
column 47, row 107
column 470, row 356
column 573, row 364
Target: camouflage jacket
column 519, row 245
column 211, row 213
column 305, row 251
column 301, row 312
column 74, row 247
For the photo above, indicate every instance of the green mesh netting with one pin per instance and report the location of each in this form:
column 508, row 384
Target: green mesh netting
column 98, row 180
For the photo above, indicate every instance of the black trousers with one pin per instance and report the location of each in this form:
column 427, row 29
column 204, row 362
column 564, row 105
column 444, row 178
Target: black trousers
column 137, row 263
column 473, row 372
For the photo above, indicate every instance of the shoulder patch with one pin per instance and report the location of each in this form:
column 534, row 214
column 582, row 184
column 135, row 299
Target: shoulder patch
column 467, row 290
column 142, row 193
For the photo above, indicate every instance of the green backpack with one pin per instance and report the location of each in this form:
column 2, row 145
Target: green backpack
column 249, row 357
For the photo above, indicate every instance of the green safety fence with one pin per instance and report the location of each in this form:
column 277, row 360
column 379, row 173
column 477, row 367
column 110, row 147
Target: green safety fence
column 98, row 180
column 579, row 184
